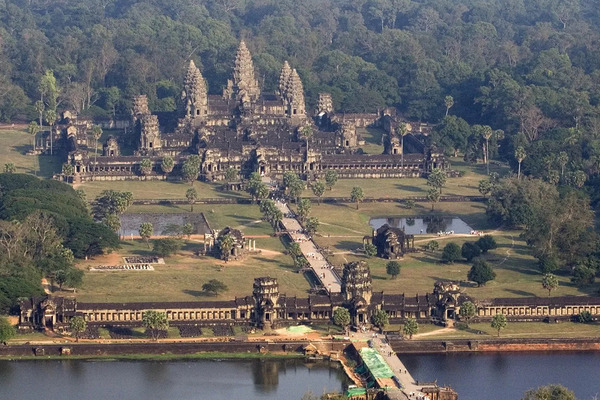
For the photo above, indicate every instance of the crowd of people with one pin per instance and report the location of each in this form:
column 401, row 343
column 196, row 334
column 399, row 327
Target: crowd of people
column 125, row 267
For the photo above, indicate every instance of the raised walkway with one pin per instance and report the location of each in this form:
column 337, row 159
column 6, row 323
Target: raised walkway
column 318, row 263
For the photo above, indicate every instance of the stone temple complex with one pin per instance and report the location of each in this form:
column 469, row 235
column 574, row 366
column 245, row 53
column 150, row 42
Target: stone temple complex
column 247, row 130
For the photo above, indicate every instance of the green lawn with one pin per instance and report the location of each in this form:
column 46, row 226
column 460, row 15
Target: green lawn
column 182, row 276
column 372, row 137
column 14, row 146
column 158, row 189
column 520, row 330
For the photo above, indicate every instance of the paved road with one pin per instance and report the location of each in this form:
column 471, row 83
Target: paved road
column 317, row 261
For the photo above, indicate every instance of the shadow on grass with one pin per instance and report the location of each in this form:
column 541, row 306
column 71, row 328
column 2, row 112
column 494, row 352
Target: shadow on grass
column 520, row 292
column 197, row 293
column 348, row 245
column 410, row 188
column 242, row 219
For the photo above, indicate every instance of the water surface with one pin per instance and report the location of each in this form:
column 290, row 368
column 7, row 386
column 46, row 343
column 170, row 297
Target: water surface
column 172, row 380
column 422, row 225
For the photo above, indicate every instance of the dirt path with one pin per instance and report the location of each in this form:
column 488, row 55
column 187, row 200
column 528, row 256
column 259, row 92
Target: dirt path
column 508, row 251
column 270, row 252
column 433, row 333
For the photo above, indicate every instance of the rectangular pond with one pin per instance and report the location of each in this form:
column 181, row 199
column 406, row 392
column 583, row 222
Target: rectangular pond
column 422, row 225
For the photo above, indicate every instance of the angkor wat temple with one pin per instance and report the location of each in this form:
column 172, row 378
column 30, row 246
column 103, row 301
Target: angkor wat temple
column 248, row 130
column 268, row 308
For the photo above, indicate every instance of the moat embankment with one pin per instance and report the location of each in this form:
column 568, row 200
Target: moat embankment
column 495, row 345
column 253, row 349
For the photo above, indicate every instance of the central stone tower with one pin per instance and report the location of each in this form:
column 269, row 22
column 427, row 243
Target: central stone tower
column 245, row 85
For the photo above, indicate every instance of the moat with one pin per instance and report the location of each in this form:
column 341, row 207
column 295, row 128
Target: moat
column 474, row 376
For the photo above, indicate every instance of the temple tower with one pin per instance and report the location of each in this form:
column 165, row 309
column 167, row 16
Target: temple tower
column 149, row 134
column 295, row 98
column 284, row 77
column 140, row 107
column 266, row 294
column 195, row 94
column 348, row 139
column 357, row 289
column 245, row 85
column 324, row 104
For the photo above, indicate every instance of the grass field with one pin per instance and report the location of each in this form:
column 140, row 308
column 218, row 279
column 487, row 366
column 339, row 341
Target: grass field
column 518, row 330
column 158, row 189
column 14, row 146
column 182, row 276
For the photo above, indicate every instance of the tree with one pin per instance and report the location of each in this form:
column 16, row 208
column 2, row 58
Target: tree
column 485, row 187
column 583, row 275
column 77, row 325
column 486, row 132
column 486, row 243
column 146, row 230
column 191, row 168
column 470, row 251
column 39, row 108
column 48, row 97
column 214, row 286
column 167, row 164
column 432, row 245
column 411, row 327
column 231, row 174
column 9, row 168
column 97, row 134
column 166, row 247
column 33, row 128
column 563, row 159
column 520, row 156
column 304, row 207
column 312, row 225
column 146, row 166
column 192, row 196
column 60, row 277
column 67, row 169
column 584, row 317
column 380, row 319
column 467, row 311
column 481, row 272
column 113, row 221
column 111, row 202
column 393, row 268
column 499, row 322
column 550, row 392
column 7, row 331
column 187, row 230
column 318, row 189
column 331, row 178
column 437, row 179
column 341, row 317
column 449, row 102
column 307, row 134
column 155, row 322
column 226, row 243
column 549, row 282
column 370, row 250
column 433, row 195
column 357, row 195
column 451, row 253
column 402, row 130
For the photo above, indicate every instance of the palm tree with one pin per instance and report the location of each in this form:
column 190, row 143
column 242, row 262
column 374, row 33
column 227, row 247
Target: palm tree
column 402, row 130
column 51, row 119
column 449, row 102
column 97, row 133
column 487, row 134
column 563, row 159
column 307, row 134
column 33, row 129
column 520, row 156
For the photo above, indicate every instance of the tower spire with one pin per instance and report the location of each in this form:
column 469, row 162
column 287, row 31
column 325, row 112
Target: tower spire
column 195, row 93
column 245, row 85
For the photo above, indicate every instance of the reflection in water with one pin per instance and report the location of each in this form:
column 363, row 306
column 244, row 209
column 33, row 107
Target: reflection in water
column 181, row 380
column 266, row 375
column 427, row 224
